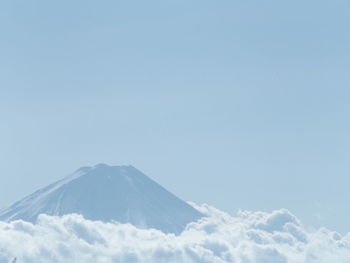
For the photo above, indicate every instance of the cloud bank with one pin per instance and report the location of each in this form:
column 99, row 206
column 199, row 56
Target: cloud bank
column 248, row 237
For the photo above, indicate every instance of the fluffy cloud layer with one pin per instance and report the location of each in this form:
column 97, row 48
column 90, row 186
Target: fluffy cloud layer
column 248, row 237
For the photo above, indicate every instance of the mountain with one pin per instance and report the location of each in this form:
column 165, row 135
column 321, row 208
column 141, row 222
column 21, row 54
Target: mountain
column 107, row 193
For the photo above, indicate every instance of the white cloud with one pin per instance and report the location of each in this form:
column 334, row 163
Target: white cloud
column 248, row 237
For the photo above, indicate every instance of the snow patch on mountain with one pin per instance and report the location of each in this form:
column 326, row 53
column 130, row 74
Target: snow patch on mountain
column 107, row 193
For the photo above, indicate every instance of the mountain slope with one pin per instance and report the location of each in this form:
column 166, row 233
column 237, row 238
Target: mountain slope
column 107, row 193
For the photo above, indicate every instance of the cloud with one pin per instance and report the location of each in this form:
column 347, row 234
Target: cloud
column 248, row 237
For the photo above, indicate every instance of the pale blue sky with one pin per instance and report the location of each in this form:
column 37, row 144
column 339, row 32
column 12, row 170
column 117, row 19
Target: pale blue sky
column 240, row 104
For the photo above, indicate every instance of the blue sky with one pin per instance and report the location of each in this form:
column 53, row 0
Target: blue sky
column 240, row 104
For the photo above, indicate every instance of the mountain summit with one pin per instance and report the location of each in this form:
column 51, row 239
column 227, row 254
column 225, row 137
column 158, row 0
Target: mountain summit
column 107, row 193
